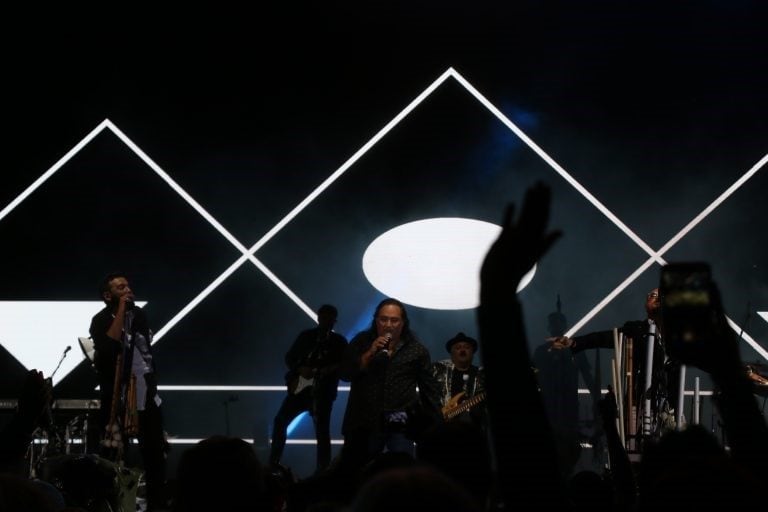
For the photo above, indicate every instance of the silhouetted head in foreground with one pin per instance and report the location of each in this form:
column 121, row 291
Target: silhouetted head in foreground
column 689, row 470
column 412, row 488
column 220, row 473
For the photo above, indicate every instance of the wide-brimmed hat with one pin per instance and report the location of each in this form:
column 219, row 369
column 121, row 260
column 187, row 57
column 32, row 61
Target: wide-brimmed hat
column 461, row 337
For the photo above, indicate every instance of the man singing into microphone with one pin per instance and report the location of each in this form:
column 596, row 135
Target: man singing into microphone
column 114, row 329
column 385, row 364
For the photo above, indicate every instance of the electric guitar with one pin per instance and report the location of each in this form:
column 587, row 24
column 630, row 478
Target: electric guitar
column 296, row 383
column 454, row 407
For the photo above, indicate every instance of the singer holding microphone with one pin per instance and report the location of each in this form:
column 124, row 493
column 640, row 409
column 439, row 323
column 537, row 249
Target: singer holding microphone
column 122, row 329
column 385, row 365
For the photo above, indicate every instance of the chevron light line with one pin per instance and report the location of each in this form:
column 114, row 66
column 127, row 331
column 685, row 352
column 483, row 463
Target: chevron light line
column 655, row 256
column 667, row 246
column 350, row 161
column 248, row 253
column 217, row 225
column 52, row 170
column 107, row 124
column 552, row 163
column 295, row 211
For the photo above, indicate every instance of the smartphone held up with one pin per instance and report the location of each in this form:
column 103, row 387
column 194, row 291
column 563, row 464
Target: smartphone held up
column 690, row 309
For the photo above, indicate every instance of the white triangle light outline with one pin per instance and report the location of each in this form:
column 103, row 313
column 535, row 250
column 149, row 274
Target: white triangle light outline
column 44, row 339
column 248, row 254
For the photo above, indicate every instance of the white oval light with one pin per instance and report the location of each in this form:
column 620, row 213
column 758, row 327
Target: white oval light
column 433, row 263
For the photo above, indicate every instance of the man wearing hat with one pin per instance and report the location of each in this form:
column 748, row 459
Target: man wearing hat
column 462, row 384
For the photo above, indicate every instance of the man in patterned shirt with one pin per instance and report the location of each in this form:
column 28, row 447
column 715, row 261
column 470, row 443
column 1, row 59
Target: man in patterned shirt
column 462, row 384
column 385, row 364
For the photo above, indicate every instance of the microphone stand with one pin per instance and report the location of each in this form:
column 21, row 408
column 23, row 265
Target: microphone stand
column 48, row 426
column 231, row 398
column 63, row 356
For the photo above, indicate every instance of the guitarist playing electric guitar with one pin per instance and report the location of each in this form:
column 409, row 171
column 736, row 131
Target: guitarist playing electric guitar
column 462, row 384
column 312, row 378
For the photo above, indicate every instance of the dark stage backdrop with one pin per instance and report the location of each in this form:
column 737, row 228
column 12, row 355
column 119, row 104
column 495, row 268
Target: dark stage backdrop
column 168, row 149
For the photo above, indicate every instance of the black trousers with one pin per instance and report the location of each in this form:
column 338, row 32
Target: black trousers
column 152, row 446
column 292, row 406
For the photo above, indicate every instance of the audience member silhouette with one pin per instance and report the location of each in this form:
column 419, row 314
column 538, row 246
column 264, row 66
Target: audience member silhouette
column 691, row 469
column 460, row 451
column 32, row 412
column 591, row 492
column 220, row 473
column 412, row 488
column 527, row 472
column 20, row 494
column 457, row 468
column 672, row 470
column 17, row 490
column 620, row 478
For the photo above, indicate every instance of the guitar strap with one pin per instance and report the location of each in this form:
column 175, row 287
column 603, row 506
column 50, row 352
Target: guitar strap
column 453, row 378
column 472, row 384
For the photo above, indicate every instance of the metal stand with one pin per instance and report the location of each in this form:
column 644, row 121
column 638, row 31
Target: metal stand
column 225, row 403
column 647, row 417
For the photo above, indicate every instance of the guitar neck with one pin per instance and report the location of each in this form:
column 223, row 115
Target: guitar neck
column 465, row 405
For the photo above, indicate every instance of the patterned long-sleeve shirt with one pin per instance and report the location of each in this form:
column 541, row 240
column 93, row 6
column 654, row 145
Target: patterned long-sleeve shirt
column 387, row 384
column 451, row 381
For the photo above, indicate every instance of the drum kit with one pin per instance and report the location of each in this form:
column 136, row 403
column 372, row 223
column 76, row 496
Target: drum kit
column 66, row 431
column 62, row 454
column 91, row 482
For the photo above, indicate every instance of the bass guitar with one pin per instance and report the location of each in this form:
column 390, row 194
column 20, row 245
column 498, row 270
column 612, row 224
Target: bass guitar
column 455, row 406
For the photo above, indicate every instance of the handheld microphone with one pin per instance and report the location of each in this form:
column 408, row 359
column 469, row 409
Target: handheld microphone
column 63, row 355
column 385, row 350
column 382, row 354
column 128, row 325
